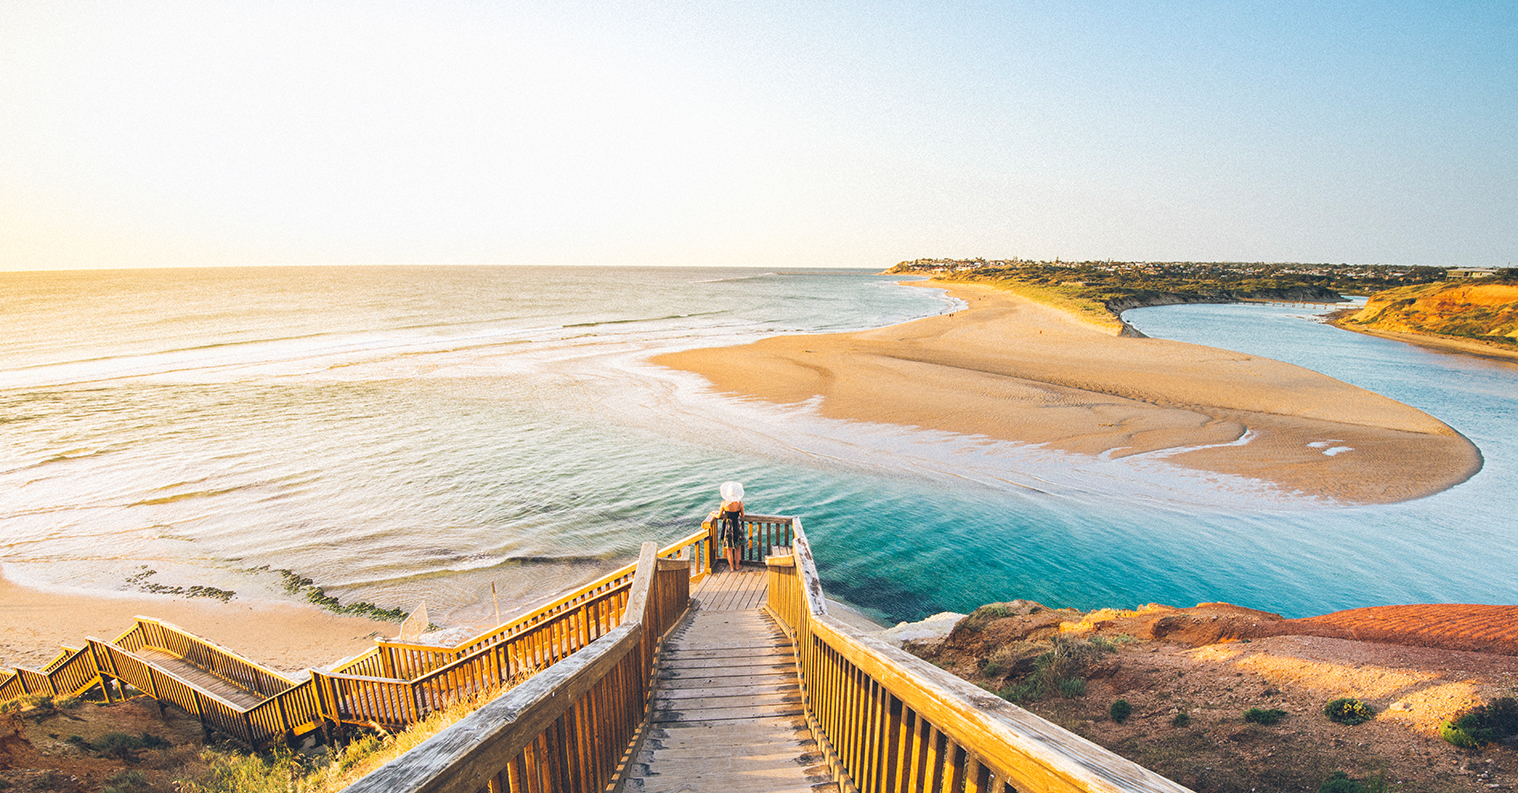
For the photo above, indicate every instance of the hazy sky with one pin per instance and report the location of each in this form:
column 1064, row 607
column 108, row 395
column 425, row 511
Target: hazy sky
column 755, row 133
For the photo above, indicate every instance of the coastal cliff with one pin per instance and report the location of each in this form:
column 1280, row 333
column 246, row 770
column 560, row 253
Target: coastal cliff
column 1484, row 310
column 1293, row 294
column 1227, row 699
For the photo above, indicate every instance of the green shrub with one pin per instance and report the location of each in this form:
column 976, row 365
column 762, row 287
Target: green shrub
column 1106, row 645
column 1120, row 711
column 1341, row 783
column 994, row 611
column 126, row 782
column 1057, row 670
column 119, row 745
column 1181, row 719
column 1457, row 737
column 1489, row 723
column 1262, row 716
column 1348, row 710
column 1018, row 693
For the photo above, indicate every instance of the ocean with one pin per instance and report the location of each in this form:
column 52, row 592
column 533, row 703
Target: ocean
column 409, row 434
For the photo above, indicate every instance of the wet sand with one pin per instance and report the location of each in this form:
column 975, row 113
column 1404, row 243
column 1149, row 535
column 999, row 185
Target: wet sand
column 287, row 637
column 1010, row 369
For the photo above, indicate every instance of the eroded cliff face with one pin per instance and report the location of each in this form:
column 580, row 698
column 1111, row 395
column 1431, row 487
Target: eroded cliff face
column 1484, row 311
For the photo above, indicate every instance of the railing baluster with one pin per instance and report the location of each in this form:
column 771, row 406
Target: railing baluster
column 869, row 702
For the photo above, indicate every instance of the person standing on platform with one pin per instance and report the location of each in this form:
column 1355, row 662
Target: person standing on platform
column 734, row 538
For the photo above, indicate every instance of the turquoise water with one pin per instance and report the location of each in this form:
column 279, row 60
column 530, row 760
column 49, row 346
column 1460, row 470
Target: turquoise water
column 400, row 434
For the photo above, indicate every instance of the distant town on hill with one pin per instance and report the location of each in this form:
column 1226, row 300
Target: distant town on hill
column 1107, row 280
column 1471, row 303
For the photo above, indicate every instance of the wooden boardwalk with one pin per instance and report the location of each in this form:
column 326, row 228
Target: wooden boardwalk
column 202, row 679
column 726, row 713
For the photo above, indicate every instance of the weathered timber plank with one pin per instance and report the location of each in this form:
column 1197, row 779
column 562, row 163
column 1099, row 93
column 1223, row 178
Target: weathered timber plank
column 736, row 701
column 724, row 714
column 699, row 651
column 191, row 673
column 723, row 672
column 733, row 662
column 736, row 650
column 777, row 754
column 726, row 691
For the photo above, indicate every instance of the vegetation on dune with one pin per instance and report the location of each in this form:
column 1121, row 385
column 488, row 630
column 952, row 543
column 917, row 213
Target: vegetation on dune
column 1483, row 309
column 1264, row 715
column 1349, row 710
column 1483, row 725
column 1101, row 290
column 230, row 770
column 1403, row 299
column 1057, row 670
column 1341, row 783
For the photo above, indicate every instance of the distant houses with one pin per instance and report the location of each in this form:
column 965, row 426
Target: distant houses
column 1456, row 273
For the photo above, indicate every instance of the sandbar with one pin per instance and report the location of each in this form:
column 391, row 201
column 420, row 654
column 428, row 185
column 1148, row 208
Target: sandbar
column 1010, row 369
column 287, row 637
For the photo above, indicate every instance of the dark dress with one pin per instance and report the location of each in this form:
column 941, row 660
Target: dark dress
column 732, row 530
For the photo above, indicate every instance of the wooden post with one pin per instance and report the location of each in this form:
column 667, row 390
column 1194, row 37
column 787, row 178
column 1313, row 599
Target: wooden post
column 713, row 545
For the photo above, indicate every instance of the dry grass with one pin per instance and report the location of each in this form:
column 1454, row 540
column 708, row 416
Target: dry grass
column 1059, row 297
column 233, row 771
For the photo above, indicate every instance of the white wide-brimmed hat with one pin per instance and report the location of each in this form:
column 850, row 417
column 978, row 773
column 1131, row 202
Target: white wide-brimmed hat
column 732, row 491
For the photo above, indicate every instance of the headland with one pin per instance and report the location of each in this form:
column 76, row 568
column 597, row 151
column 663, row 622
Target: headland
column 1010, row 368
column 1471, row 317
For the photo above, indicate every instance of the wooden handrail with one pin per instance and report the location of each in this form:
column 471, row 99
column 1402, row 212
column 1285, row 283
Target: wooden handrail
column 211, row 657
column 889, row 721
column 568, row 727
column 430, row 675
column 409, row 660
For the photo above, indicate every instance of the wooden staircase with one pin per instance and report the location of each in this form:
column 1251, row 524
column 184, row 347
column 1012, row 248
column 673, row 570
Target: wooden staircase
column 726, row 711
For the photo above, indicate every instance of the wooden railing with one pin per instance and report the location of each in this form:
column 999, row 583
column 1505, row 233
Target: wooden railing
column 70, row 673
column 598, row 602
column 569, row 727
column 213, row 711
column 889, row 721
column 400, row 682
column 762, row 532
column 205, row 655
column 393, row 684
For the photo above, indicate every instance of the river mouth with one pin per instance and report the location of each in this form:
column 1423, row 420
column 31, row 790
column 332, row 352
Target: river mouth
column 434, row 468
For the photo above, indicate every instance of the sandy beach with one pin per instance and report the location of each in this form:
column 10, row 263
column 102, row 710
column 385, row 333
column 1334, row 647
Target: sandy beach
column 1486, row 350
column 1011, row 369
column 288, row 637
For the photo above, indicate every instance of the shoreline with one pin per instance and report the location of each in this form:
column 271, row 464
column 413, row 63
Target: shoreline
column 1012, row 369
column 1447, row 345
column 288, row 637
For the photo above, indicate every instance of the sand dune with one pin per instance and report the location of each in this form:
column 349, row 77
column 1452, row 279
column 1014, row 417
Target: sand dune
column 1011, row 369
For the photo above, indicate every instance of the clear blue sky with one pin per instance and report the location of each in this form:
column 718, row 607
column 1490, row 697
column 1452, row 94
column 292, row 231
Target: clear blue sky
column 755, row 133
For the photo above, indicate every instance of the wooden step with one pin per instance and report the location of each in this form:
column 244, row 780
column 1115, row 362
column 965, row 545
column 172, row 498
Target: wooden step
column 726, row 712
